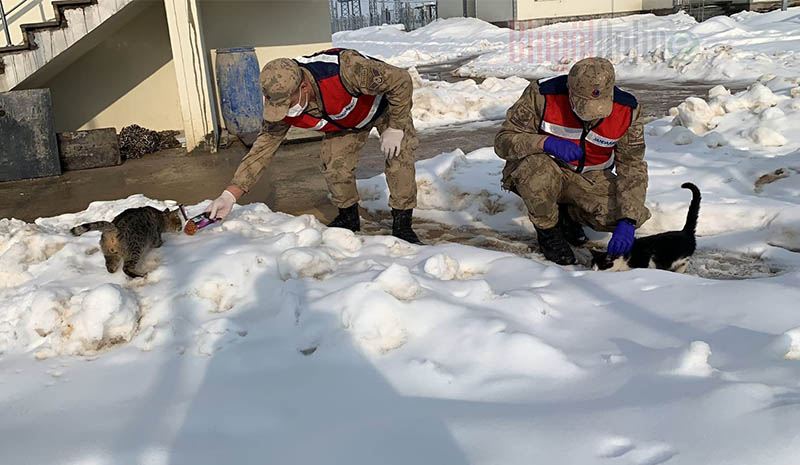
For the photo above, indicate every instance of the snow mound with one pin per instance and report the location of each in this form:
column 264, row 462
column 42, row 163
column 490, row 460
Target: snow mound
column 377, row 330
column 442, row 266
column 303, row 262
column 793, row 353
column 372, row 317
column 701, row 116
column 81, row 324
column 220, row 292
column 441, row 41
column 438, row 102
column 680, row 135
column 649, row 47
column 766, row 137
column 615, row 447
column 398, row 282
column 107, row 315
column 342, row 239
column 696, row 114
column 694, row 361
column 714, row 139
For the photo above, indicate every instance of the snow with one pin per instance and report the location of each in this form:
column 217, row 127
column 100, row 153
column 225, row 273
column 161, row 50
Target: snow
column 270, row 330
column 439, row 103
column 441, row 41
column 272, row 337
column 645, row 47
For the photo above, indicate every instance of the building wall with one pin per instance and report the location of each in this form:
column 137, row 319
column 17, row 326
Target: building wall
column 274, row 28
column 127, row 78
column 494, row 10
column 264, row 23
column 502, row 10
column 537, row 9
column 33, row 11
column 450, row 8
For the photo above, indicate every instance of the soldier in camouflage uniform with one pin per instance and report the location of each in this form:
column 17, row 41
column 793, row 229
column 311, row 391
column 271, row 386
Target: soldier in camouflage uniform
column 561, row 140
column 343, row 94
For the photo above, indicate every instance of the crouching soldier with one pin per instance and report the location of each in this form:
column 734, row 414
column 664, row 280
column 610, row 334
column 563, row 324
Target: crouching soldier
column 561, row 141
column 343, row 94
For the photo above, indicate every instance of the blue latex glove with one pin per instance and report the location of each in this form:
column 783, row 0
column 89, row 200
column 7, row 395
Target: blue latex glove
column 622, row 239
column 563, row 149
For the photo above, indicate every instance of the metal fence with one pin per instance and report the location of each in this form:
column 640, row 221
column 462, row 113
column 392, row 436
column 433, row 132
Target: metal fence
column 347, row 15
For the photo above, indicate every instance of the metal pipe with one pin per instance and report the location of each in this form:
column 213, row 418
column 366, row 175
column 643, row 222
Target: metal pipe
column 11, row 11
column 784, row 5
column 5, row 24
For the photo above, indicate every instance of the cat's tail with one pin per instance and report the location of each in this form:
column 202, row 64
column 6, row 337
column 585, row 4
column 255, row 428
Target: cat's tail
column 694, row 208
column 103, row 226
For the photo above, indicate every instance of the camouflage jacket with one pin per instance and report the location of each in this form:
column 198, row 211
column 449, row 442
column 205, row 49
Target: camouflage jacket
column 519, row 138
column 360, row 75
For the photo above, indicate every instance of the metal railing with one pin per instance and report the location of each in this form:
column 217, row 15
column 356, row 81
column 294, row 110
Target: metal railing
column 4, row 19
column 348, row 14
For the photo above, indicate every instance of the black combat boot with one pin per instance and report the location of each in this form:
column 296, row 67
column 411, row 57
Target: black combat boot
column 554, row 247
column 401, row 226
column 347, row 219
column 572, row 230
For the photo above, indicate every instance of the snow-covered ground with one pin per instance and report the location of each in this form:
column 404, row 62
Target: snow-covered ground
column 438, row 42
column 272, row 339
column 440, row 103
column 741, row 47
column 724, row 145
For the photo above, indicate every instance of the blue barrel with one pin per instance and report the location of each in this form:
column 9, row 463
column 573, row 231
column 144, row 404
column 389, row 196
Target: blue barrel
column 240, row 92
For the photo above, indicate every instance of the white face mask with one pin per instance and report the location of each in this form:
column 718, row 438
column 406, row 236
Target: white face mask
column 297, row 110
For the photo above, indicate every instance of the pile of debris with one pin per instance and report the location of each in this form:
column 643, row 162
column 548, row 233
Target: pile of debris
column 135, row 141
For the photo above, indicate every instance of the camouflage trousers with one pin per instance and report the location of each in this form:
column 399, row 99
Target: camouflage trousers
column 591, row 197
column 340, row 152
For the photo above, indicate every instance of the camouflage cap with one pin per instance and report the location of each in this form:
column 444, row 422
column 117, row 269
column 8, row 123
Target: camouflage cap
column 591, row 88
column 279, row 80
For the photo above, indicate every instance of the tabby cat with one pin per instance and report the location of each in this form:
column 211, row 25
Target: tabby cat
column 131, row 235
column 666, row 251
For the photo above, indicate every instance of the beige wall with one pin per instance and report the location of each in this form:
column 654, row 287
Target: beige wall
column 264, row 23
column 533, row 9
column 33, row 11
column 127, row 78
column 502, row 10
column 275, row 28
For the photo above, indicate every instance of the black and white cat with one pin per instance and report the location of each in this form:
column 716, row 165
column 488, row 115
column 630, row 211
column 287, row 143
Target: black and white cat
column 666, row 251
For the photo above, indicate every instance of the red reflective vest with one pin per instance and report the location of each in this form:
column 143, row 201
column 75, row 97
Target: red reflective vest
column 597, row 142
column 340, row 109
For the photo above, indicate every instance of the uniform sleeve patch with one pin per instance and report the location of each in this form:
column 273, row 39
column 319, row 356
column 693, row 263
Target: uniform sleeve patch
column 636, row 134
column 377, row 80
column 521, row 116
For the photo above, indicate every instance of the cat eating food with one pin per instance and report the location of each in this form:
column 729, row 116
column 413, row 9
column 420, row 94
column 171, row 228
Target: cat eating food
column 132, row 234
column 666, row 251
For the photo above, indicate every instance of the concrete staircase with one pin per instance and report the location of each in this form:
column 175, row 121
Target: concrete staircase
column 44, row 42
